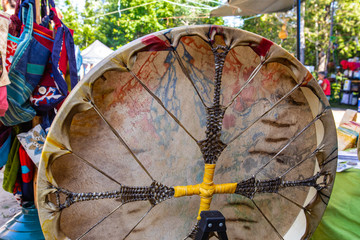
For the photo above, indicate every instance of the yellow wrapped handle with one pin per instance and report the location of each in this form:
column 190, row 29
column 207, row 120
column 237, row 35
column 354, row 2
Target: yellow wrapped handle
column 206, row 189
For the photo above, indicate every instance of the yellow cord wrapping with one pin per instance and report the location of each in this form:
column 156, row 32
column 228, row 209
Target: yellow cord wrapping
column 225, row 188
column 189, row 190
column 206, row 189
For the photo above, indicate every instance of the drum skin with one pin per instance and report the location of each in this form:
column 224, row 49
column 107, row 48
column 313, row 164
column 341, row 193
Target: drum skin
column 131, row 93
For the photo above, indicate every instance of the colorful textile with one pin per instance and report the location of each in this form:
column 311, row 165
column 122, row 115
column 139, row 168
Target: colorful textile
column 63, row 53
column 3, row 101
column 46, row 95
column 4, row 134
column 27, row 175
column 4, row 29
column 4, row 151
column 12, row 43
column 17, row 191
column 12, row 166
column 33, row 142
column 25, row 73
column 15, row 23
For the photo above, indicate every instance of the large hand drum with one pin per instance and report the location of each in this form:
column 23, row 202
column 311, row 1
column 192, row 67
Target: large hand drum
column 183, row 121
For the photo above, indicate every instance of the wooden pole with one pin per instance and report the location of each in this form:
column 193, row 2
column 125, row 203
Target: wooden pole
column 38, row 11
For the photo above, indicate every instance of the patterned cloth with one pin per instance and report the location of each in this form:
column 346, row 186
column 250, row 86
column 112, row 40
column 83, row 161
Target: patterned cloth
column 4, row 28
column 25, row 73
column 33, row 142
column 12, row 43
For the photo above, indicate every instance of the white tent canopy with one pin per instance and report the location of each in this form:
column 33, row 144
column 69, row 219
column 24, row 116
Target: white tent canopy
column 96, row 52
column 252, row 7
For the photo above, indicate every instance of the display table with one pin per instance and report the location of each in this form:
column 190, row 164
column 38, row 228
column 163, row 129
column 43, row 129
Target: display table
column 341, row 218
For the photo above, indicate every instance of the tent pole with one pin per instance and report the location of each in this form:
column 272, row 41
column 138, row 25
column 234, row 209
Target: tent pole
column 298, row 11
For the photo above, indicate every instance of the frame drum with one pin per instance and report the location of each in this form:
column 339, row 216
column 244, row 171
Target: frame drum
column 186, row 120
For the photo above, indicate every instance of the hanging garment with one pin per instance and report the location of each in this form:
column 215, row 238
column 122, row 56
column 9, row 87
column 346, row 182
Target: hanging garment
column 46, row 95
column 26, row 71
column 33, row 142
column 4, row 151
column 4, row 78
column 4, row 29
column 12, row 166
column 53, row 87
column 3, row 101
column 5, row 144
column 63, row 55
column 12, row 43
column 4, row 133
column 27, row 175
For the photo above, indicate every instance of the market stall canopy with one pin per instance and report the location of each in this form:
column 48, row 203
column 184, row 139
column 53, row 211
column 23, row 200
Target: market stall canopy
column 252, row 7
column 96, row 52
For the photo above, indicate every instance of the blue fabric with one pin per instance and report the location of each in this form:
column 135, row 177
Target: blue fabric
column 55, row 58
column 25, row 72
column 4, row 151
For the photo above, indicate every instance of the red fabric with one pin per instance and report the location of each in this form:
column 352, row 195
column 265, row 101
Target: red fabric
column 47, row 40
column 10, row 51
column 307, row 79
column 63, row 56
column 154, row 43
column 26, row 161
column 3, row 101
column 263, row 47
column 327, row 90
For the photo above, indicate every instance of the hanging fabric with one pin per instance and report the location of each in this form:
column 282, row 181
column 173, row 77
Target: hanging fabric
column 63, row 53
column 15, row 22
column 53, row 88
column 33, row 142
column 12, row 38
column 46, row 95
column 12, row 43
column 4, row 151
column 4, row 29
column 26, row 71
column 13, row 164
column 4, row 78
column 27, row 175
column 5, row 144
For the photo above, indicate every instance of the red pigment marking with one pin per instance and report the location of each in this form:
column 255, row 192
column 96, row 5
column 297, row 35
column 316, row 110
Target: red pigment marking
column 197, row 45
column 229, row 121
column 246, row 98
column 269, row 80
column 263, row 47
column 154, row 43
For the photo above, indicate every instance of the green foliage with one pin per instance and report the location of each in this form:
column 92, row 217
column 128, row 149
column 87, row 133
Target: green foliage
column 336, row 87
column 269, row 26
column 101, row 20
column 346, row 30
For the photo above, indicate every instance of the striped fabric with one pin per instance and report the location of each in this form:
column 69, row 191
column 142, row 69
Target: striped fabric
column 25, row 72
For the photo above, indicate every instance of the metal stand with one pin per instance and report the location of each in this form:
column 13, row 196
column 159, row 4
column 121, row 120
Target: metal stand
column 211, row 221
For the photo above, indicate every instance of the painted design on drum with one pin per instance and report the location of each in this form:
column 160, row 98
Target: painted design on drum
column 167, row 92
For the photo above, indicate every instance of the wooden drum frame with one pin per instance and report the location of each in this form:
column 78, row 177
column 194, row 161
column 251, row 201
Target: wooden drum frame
column 186, row 120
